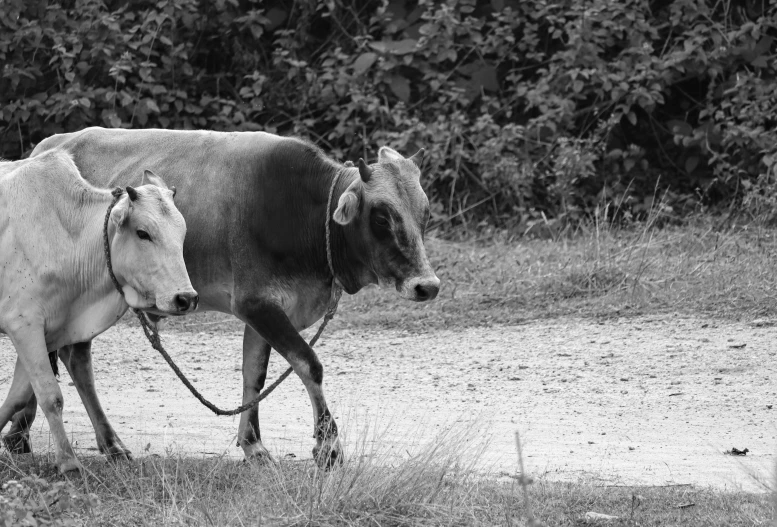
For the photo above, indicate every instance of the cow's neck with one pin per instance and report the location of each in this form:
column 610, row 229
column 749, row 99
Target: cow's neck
column 348, row 266
column 98, row 305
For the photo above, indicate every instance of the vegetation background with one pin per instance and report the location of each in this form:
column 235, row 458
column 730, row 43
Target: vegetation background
column 531, row 112
column 535, row 115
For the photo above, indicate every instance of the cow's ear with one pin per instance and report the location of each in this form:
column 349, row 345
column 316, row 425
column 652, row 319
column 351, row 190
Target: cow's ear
column 348, row 204
column 149, row 178
column 120, row 211
column 386, row 154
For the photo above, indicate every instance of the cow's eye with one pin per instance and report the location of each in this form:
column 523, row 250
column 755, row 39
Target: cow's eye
column 143, row 235
column 381, row 221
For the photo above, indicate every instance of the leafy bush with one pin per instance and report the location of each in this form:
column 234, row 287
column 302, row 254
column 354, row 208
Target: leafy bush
column 34, row 501
column 527, row 109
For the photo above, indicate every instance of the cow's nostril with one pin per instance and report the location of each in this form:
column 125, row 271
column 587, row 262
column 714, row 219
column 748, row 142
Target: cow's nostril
column 183, row 302
column 421, row 293
column 424, row 292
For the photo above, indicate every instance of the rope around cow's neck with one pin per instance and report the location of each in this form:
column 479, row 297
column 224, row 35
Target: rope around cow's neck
column 116, row 193
column 152, row 334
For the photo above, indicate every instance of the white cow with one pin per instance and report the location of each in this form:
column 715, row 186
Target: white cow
column 55, row 287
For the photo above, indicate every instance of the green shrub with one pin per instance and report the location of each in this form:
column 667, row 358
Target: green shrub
column 35, row 501
column 527, row 109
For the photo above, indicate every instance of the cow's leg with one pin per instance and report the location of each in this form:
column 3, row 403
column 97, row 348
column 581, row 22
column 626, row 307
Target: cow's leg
column 19, row 396
column 270, row 321
column 77, row 358
column 31, row 349
column 18, row 439
column 256, row 356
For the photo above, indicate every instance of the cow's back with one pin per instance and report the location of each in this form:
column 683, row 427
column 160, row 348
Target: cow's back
column 111, row 156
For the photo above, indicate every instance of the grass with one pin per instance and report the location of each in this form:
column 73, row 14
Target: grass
column 596, row 271
column 436, row 485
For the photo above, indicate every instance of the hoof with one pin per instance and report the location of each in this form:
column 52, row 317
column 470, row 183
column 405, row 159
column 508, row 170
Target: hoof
column 328, row 455
column 257, row 454
column 18, row 443
column 111, row 446
column 69, row 465
column 117, row 452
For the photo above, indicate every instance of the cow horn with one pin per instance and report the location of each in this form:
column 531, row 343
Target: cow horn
column 132, row 193
column 418, row 158
column 364, row 171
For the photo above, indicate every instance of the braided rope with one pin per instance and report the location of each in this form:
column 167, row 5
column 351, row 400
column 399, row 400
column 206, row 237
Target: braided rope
column 152, row 334
column 329, row 214
column 153, row 337
column 117, row 192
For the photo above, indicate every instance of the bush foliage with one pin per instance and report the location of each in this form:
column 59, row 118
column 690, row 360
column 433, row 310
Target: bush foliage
column 527, row 109
column 33, row 501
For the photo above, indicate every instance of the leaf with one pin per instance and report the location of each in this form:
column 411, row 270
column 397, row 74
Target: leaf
column 276, row 16
column 487, row 78
column 764, row 45
column 141, row 116
column 691, row 163
column 396, row 47
column 401, row 87
column 363, row 62
column 679, row 127
column 577, row 86
column 114, row 120
column 760, row 62
column 152, row 106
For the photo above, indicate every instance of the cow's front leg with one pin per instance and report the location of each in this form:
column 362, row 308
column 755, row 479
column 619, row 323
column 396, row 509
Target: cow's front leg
column 77, row 358
column 30, row 346
column 256, row 356
column 269, row 320
column 16, row 404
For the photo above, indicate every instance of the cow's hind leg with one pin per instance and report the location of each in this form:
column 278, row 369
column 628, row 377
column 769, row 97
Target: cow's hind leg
column 15, row 406
column 256, row 356
column 31, row 349
column 78, row 361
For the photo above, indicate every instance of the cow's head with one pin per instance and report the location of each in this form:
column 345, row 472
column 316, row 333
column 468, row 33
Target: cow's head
column 387, row 210
column 147, row 249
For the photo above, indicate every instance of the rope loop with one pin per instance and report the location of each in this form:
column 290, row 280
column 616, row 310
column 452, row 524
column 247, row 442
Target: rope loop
column 116, row 193
column 152, row 333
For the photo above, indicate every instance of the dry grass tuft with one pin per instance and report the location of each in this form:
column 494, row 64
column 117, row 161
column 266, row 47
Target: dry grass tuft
column 437, row 485
column 599, row 270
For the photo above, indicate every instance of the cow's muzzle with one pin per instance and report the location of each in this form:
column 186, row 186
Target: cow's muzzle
column 422, row 289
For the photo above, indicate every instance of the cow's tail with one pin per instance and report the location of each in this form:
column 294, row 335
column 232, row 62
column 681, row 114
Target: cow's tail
column 53, row 361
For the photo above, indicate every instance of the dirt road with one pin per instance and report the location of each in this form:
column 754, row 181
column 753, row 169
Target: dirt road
column 652, row 400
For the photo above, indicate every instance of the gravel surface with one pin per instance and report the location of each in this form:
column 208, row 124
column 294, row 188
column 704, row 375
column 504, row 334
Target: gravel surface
column 648, row 401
